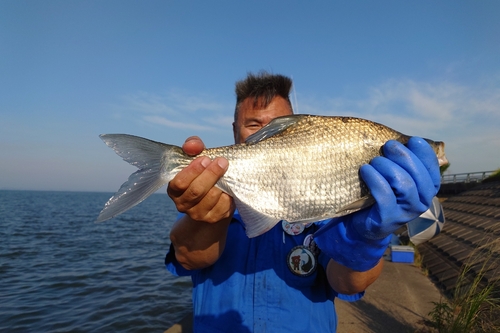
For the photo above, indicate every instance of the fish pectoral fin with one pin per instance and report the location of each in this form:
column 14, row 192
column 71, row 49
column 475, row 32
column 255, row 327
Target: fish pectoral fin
column 276, row 126
column 362, row 203
column 256, row 223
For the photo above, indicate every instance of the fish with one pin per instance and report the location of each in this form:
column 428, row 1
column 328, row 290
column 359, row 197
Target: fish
column 298, row 168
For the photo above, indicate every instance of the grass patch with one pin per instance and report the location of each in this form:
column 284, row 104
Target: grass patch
column 419, row 260
column 475, row 304
column 493, row 177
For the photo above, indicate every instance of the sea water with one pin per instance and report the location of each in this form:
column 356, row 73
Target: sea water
column 61, row 272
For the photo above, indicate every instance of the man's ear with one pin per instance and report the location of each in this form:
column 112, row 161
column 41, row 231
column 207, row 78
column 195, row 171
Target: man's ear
column 234, row 131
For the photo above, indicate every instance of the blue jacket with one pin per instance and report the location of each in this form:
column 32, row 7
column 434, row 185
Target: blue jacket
column 251, row 289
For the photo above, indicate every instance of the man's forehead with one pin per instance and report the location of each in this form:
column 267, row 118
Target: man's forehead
column 256, row 102
column 262, row 103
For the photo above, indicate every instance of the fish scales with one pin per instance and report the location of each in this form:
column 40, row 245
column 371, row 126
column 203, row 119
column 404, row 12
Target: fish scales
column 298, row 168
column 309, row 171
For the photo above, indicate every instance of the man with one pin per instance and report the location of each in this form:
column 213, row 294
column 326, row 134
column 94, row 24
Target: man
column 280, row 281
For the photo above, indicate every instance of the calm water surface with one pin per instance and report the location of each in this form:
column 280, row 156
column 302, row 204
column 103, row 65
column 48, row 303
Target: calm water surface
column 61, row 272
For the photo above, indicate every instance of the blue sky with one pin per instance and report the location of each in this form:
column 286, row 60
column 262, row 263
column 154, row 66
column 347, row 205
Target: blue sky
column 165, row 70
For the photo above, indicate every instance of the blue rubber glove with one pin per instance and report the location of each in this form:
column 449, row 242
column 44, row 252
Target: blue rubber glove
column 403, row 182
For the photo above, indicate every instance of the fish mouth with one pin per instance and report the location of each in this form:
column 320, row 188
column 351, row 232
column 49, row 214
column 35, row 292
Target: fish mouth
column 441, row 154
column 443, row 161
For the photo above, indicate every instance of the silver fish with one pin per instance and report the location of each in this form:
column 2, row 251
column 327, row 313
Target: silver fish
column 298, row 168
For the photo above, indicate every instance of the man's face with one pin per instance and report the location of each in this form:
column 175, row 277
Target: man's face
column 251, row 119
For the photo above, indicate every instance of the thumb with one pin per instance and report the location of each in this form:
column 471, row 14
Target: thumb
column 193, row 146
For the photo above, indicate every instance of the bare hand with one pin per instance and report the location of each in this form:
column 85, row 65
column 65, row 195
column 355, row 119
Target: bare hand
column 193, row 191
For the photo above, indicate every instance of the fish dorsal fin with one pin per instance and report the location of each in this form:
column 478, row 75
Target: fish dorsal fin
column 275, row 126
column 256, row 223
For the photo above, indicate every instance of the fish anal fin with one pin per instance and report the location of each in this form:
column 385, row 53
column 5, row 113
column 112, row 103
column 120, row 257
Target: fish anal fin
column 256, row 223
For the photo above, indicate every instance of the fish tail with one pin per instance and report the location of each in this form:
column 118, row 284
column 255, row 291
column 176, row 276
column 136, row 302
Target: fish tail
column 157, row 163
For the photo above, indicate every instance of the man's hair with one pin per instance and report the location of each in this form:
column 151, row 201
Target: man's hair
column 263, row 87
